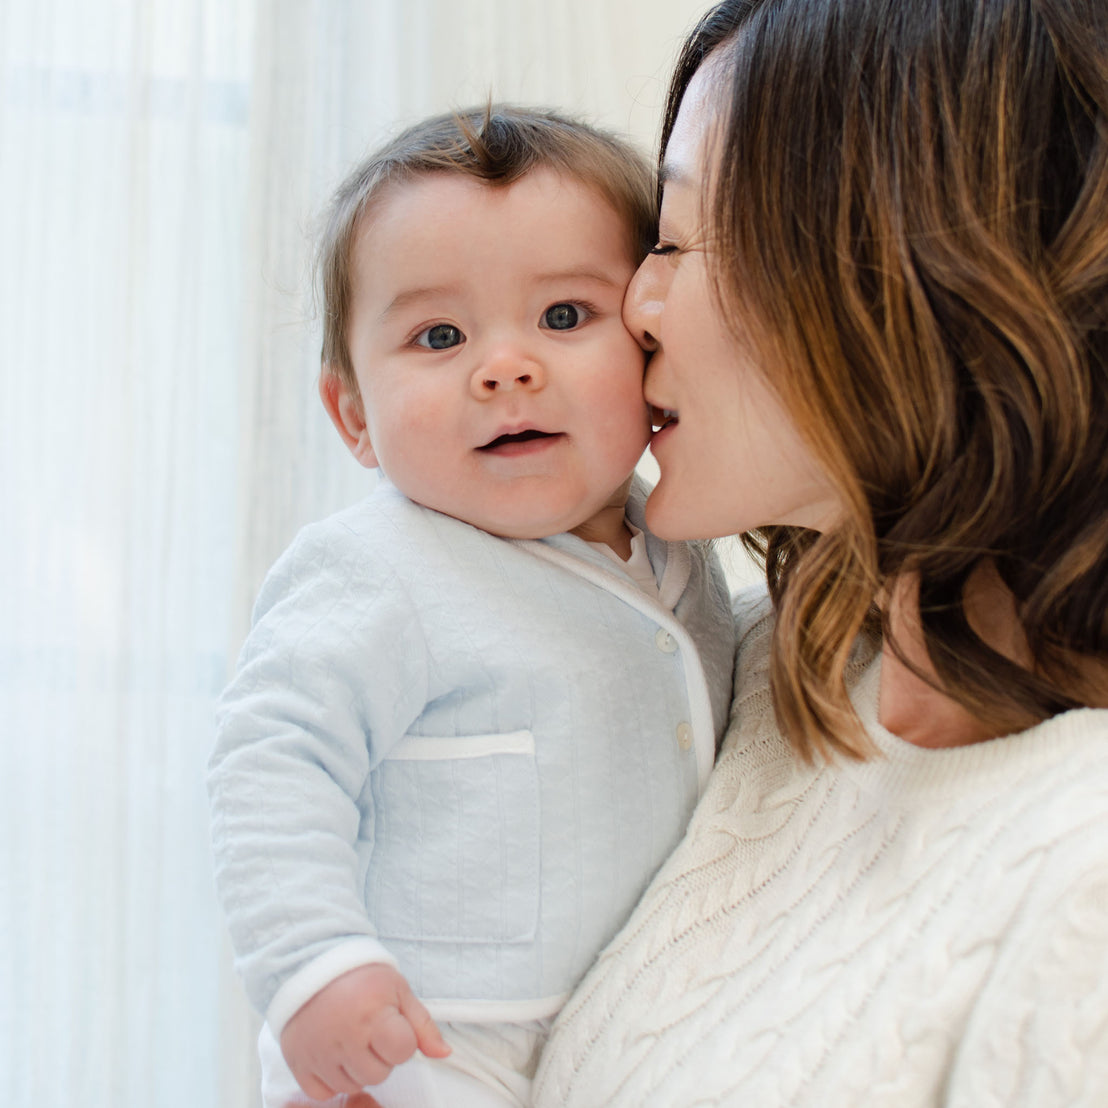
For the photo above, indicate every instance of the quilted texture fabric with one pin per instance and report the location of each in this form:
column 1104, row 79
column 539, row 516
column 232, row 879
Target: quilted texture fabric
column 928, row 928
column 465, row 753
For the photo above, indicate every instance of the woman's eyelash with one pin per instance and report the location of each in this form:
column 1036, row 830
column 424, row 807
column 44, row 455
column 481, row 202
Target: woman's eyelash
column 662, row 248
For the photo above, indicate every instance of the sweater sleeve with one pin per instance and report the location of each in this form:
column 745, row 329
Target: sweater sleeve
column 750, row 605
column 319, row 697
column 1038, row 1036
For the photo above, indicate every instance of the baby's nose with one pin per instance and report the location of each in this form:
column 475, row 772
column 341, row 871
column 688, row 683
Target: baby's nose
column 501, row 380
column 505, row 371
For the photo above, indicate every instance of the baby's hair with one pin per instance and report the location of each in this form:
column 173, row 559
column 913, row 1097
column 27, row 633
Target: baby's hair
column 497, row 144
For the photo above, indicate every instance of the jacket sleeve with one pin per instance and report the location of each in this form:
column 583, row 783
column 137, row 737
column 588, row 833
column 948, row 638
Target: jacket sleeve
column 318, row 699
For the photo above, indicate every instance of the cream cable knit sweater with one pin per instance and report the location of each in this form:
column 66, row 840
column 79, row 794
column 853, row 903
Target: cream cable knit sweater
column 928, row 928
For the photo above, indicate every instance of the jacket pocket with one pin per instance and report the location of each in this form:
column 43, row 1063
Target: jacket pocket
column 456, row 840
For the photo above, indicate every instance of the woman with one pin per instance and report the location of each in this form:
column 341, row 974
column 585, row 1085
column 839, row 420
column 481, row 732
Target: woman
column 879, row 315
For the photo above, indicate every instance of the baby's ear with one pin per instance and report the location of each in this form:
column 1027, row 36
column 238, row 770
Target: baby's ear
column 344, row 405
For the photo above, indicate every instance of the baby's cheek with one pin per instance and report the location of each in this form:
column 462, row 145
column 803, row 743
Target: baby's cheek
column 626, row 431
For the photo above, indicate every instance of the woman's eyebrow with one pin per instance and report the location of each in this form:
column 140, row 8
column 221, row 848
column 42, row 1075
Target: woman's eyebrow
column 673, row 173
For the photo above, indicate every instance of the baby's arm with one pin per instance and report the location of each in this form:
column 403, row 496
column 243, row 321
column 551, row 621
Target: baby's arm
column 330, row 678
column 355, row 1030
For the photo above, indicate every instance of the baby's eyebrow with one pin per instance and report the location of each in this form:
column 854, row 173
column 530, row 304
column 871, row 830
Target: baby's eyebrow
column 408, row 296
column 579, row 273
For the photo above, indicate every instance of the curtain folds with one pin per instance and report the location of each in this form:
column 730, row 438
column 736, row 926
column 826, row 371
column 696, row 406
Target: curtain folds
column 161, row 163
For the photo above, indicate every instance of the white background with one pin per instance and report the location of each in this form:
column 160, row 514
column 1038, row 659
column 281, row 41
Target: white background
column 161, row 162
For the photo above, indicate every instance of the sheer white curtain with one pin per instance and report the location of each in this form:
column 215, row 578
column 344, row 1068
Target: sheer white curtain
column 160, row 441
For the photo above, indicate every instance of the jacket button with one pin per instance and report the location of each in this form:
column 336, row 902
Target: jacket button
column 684, row 736
column 664, row 641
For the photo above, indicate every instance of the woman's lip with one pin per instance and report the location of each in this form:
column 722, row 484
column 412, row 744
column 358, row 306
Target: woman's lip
column 662, row 432
column 660, row 418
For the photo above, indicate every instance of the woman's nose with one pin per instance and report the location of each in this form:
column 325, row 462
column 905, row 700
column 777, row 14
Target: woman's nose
column 505, row 370
column 642, row 304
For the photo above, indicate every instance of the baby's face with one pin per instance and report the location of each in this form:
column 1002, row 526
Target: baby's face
column 499, row 383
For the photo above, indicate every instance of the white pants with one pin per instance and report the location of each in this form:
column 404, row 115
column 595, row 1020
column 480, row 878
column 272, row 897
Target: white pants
column 491, row 1066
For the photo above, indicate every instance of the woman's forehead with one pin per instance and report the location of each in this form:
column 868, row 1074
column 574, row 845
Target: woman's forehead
column 686, row 151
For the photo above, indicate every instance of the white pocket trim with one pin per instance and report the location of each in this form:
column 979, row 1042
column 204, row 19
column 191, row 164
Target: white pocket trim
column 419, row 748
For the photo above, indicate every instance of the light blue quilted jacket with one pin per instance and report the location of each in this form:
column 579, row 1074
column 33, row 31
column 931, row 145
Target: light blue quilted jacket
column 463, row 754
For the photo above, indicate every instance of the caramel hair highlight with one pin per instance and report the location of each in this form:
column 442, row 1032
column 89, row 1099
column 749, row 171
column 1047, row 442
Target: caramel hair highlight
column 911, row 211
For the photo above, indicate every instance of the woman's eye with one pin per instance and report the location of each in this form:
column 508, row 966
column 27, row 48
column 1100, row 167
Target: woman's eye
column 662, row 249
column 563, row 317
column 440, row 337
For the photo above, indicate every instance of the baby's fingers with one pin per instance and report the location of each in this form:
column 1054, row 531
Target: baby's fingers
column 428, row 1037
column 341, row 1100
column 313, row 1087
column 392, row 1038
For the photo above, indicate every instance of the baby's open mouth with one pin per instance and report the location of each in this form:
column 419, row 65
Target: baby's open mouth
column 521, row 436
column 661, row 417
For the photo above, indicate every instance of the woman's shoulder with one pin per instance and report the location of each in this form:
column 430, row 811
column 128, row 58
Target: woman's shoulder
column 753, row 613
column 751, row 605
column 752, row 739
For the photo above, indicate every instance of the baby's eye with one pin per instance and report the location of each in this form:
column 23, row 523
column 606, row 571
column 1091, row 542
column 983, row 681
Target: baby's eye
column 564, row 317
column 440, row 337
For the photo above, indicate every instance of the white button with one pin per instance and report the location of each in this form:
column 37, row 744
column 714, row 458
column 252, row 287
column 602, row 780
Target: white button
column 684, row 736
column 664, row 641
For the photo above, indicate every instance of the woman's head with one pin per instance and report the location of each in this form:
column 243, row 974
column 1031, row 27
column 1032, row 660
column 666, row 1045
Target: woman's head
column 729, row 454
column 906, row 223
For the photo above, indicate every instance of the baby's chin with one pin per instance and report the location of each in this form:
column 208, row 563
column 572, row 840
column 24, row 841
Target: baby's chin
column 536, row 506
column 510, row 526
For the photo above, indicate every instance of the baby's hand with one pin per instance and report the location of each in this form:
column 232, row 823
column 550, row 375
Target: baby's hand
column 353, row 1031
column 343, row 1100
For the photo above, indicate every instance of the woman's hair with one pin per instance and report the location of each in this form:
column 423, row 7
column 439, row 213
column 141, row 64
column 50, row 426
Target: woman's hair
column 911, row 221
column 717, row 26
column 497, row 144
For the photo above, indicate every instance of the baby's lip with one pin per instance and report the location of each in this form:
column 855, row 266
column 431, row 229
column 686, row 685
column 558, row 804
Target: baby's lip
column 510, row 435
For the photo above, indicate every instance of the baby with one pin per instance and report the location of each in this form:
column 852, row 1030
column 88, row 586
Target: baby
column 475, row 710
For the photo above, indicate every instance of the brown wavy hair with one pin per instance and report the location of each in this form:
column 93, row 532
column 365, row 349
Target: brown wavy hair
column 911, row 207
column 497, row 144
